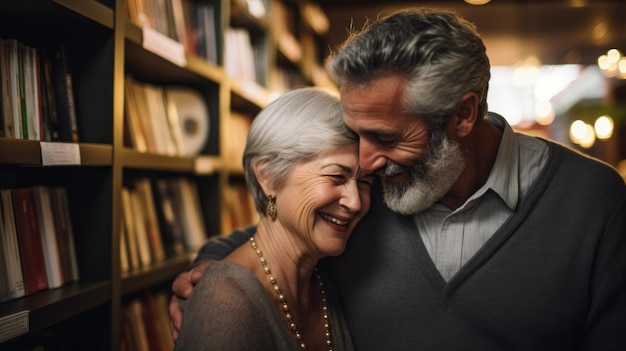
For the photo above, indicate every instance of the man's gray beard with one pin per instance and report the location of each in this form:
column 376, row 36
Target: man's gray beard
column 430, row 180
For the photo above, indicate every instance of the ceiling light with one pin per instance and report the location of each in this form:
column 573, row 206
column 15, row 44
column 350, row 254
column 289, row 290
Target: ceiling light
column 477, row 2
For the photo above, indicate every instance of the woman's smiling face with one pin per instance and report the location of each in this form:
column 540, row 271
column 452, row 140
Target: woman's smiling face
column 324, row 198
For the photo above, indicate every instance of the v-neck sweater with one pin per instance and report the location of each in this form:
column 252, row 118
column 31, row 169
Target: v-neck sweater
column 553, row 277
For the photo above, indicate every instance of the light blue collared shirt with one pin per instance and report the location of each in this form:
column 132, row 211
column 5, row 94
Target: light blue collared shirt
column 453, row 237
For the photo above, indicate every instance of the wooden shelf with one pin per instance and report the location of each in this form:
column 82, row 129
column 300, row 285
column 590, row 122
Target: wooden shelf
column 103, row 47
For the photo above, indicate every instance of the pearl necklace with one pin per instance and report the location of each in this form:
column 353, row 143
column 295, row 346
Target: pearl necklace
column 283, row 301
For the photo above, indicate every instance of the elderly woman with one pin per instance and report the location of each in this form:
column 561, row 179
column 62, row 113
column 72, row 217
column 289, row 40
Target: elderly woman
column 302, row 168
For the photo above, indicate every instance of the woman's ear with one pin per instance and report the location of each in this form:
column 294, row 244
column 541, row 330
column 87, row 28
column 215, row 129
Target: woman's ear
column 262, row 176
column 465, row 116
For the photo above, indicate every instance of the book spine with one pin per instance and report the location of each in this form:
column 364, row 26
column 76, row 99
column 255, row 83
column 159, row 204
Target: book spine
column 64, row 92
column 16, row 287
column 29, row 240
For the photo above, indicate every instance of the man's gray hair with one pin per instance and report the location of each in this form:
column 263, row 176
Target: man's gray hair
column 440, row 54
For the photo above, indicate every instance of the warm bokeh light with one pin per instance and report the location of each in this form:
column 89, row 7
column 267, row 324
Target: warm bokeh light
column 603, row 62
column 621, row 67
column 613, row 64
column 577, row 131
column 604, row 127
column 544, row 113
column 477, row 2
column 590, row 137
column 613, row 55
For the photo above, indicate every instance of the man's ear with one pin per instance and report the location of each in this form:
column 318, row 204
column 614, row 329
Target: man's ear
column 465, row 116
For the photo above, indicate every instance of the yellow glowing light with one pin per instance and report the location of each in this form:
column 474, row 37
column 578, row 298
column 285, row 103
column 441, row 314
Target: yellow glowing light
column 577, row 131
column 477, row 2
column 590, row 137
column 604, row 127
column 603, row 62
column 544, row 112
column 614, row 55
column 621, row 65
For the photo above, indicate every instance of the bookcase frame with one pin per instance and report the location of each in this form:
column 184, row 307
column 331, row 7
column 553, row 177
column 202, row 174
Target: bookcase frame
column 103, row 46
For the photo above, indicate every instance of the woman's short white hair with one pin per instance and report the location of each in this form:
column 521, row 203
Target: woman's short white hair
column 298, row 125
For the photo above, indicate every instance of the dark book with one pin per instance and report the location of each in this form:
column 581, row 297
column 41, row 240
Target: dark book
column 64, row 94
column 6, row 113
column 29, row 240
column 21, row 64
column 50, row 119
column 170, row 224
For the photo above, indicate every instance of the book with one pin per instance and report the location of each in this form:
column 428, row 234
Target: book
column 47, row 230
column 129, row 230
column 158, row 120
column 12, row 57
column 59, row 204
column 50, row 119
column 135, row 333
column 149, row 320
column 132, row 119
column 137, row 104
column 180, row 24
column 5, row 266
column 187, row 203
column 206, row 32
column 29, row 240
column 124, row 259
column 169, row 222
column 141, row 234
column 64, row 93
column 151, row 222
column 31, row 94
column 146, row 322
column 22, row 63
column 14, row 284
column 6, row 113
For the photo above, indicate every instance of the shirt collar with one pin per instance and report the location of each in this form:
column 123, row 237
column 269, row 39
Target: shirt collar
column 503, row 179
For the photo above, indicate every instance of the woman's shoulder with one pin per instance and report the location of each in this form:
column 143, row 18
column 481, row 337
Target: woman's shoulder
column 230, row 276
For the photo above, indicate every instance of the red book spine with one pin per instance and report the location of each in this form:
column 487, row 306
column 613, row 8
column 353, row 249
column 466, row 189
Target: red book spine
column 29, row 240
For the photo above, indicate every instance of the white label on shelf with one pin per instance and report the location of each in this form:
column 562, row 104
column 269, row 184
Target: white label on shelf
column 55, row 154
column 204, row 165
column 164, row 46
column 13, row 325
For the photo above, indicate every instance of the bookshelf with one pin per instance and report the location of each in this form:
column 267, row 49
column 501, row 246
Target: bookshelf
column 104, row 46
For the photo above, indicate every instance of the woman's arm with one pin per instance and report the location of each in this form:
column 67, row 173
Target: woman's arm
column 214, row 249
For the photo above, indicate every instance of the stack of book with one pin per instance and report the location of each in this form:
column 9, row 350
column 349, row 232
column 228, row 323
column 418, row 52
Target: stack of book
column 37, row 93
column 37, row 242
column 161, row 218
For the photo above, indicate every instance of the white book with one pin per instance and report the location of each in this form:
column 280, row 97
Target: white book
column 193, row 220
column 54, row 269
